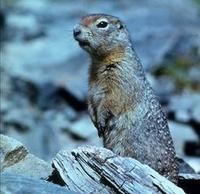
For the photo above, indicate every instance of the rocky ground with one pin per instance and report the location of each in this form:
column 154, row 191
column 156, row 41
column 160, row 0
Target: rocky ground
column 44, row 72
column 87, row 169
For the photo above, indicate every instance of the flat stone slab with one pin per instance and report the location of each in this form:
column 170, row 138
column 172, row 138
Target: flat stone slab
column 91, row 169
column 16, row 184
column 16, row 159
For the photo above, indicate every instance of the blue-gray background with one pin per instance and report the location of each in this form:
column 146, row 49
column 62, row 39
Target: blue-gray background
column 44, row 72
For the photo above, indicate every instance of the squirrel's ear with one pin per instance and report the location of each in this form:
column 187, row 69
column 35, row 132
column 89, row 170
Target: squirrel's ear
column 119, row 25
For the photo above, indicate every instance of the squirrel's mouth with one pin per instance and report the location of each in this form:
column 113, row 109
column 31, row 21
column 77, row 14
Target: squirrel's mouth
column 83, row 43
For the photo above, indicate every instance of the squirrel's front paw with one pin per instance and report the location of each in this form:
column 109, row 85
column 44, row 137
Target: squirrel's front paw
column 104, row 122
column 100, row 129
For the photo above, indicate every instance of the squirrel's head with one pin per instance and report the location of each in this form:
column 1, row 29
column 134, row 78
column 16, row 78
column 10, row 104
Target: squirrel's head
column 101, row 34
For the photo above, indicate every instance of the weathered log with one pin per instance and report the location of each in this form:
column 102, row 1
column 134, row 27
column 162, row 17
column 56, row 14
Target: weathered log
column 98, row 170
column 19, row 184
column 16, row 159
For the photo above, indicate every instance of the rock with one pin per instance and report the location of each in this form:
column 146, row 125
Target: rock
column 16, row 159
column 54, row 57
column 194, row 162
column 2, row 25
column 16, row 184
column 183, row 136
column 78, row 132
column 182, row 116
column 194, row 73
column 184, row 167
column 191, row 176
column 189, row 182
column 23, row 27
column 161, row 29
column 83, row 128
column 180, row 134
column 2, row 19
column 28, row 127
column 53, row 129
column 98, row 170
column 22, row 119
column 164, row 88
column 52, row 96
column 196, row 112
column 185, row 108
column 44, row 84
column 186, row 104
column 20, row 116
column 187, row 46
column 192, row 148
column 27, row 118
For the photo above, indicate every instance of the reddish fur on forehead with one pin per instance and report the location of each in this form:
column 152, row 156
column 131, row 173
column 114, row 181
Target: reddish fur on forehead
column 86, row 21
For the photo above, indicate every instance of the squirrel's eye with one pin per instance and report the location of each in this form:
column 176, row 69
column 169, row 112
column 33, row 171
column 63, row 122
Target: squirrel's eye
column 102, row 24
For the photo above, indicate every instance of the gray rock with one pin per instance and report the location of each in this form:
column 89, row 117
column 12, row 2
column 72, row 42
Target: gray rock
column 16, row 159
column 184, row 167
column 79, row 132
column 164, row 88
column 57, row 57
column 183, row 116
column 196, row 112
column 186, row 106
column 194, row 162
column 190, row 176
column 83, row 128
column 180, row 134
column 98, row 170
column 16, row 184
column 194, row 73
column 189, row 182
column 37, row 71
column 23, row 118
column 155, row 30
column 23, row 27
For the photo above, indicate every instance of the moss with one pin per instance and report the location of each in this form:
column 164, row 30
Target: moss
column 177, row 70
column 195, row 51
column 10, row 2
column 197, row 1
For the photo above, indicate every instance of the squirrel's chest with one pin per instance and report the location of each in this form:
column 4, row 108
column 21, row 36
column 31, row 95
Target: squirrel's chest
column 112, row 90
column 104, row 85
column 113, row 99
column 99, row 93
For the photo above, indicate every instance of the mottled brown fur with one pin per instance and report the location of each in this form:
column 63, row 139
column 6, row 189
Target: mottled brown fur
column 86, row 21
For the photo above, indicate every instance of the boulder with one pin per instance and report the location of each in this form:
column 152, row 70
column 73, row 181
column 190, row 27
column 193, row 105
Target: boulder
column 16, row 184
column 98, row 170
column 16, row 159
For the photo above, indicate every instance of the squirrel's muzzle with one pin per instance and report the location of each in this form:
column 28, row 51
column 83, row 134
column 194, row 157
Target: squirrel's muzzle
column 76, row 32
column 80, row 36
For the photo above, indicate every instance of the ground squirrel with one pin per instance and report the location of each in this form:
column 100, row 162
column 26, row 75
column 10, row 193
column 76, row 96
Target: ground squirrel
column 121, row 103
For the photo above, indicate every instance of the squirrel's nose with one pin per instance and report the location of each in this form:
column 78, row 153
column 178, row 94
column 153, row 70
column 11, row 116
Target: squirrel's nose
column 76, row 32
